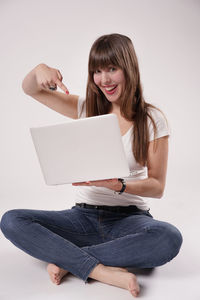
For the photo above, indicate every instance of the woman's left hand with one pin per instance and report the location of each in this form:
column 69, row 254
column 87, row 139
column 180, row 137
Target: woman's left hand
column 113, row 184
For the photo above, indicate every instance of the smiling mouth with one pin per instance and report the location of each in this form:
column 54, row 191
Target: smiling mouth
column 110, row 90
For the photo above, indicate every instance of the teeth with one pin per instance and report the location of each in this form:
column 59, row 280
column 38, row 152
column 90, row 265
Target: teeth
column 110, row 88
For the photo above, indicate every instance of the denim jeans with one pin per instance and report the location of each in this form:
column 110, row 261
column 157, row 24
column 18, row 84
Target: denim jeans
column 78, row 239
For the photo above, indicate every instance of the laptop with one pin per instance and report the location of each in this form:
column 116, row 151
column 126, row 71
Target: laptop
column 81, row 150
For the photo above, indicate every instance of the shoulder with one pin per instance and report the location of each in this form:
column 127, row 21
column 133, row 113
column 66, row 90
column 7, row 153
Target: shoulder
column 156, row 113
column 161, row 124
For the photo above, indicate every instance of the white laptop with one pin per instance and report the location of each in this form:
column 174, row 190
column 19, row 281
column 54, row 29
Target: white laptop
column 81, row 150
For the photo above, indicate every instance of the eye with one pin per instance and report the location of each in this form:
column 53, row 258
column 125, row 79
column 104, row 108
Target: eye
column 97, row 71
column 112, row 69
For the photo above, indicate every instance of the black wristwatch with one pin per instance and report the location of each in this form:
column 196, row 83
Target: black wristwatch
column 123, row 186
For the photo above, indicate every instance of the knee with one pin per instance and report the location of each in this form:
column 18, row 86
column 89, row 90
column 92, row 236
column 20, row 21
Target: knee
column 8, row 222
column 172, row 241
column 175, row 240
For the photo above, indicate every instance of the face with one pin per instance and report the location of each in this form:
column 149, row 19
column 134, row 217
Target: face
column 111, row 82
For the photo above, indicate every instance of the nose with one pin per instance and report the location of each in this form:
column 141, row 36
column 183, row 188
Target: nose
column 105, row 78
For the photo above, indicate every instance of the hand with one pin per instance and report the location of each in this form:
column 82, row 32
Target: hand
column 113, row 184
column 47, row 77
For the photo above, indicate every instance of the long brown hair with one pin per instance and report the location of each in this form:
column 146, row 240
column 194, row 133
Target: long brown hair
column 117, row 50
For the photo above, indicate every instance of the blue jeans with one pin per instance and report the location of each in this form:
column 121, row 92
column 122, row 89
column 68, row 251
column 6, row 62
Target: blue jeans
column 78, row 239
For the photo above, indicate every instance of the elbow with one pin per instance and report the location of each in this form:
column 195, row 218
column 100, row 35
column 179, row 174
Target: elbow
column 160, row 191
column 158, row 188
column 159, row 195
column 24, row 87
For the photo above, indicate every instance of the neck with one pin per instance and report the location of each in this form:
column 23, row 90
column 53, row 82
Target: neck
column 115, row 108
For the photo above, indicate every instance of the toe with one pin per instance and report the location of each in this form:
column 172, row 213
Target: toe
column 134, row 286
column 134, row 292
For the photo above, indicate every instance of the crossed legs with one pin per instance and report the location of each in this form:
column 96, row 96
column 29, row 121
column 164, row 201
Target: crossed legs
column 71, row 241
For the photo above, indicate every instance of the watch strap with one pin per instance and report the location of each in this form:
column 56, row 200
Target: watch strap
column 123, row 185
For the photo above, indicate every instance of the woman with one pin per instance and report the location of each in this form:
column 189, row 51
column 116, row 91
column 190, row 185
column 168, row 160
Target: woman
column 110, row 227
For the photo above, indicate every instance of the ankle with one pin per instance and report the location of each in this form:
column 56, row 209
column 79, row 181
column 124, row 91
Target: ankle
column 97, row 272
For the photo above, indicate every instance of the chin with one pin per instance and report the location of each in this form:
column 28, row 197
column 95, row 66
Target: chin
column 112, row 100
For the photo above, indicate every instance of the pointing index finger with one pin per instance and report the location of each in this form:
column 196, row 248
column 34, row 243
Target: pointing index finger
column 62, row 86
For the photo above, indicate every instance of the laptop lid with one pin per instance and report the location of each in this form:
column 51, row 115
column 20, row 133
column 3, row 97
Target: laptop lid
column 81, row 150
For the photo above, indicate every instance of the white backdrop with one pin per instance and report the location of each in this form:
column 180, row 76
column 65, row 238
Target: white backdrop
column 166, row 36
column 60, row 34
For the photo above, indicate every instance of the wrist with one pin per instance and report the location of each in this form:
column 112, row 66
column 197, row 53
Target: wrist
column 121, row 186
column 118, row 186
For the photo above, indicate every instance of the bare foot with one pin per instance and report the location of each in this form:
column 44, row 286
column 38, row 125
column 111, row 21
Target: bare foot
column 117, row 268
column 56, row 273
column 116, row 276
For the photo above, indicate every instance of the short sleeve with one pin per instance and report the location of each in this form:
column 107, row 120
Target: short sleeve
column 161, row 123
column 81, row 107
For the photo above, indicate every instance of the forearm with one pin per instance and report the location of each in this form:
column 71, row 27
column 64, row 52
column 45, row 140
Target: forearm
column 149, row 187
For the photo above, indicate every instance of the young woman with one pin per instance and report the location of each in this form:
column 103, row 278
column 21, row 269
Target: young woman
column 110, row 227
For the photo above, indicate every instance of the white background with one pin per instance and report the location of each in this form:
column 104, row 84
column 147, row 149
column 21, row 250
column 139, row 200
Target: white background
column 60, row 33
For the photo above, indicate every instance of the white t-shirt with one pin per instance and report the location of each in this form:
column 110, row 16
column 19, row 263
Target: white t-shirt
column 104, row 196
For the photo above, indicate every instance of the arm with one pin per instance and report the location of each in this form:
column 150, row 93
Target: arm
column 36, row 84
column 154, row 185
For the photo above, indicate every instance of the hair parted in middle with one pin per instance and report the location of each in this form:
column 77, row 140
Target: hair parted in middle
column 117, row 50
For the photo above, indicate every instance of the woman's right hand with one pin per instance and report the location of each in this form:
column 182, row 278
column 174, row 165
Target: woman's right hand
column 49, row 78
column 37, row 85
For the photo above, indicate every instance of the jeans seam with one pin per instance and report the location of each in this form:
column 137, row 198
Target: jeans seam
column 62, row 229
